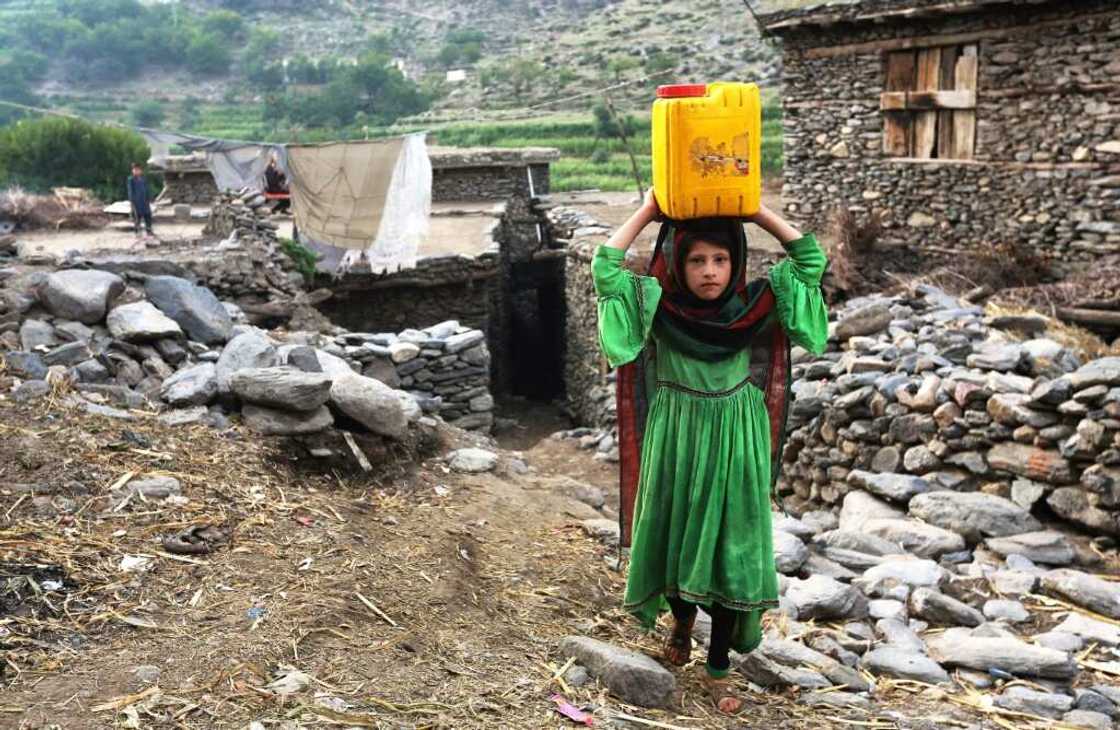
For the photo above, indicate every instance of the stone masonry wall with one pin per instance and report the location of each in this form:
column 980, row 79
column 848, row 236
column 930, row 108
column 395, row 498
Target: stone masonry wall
column 1047, row 159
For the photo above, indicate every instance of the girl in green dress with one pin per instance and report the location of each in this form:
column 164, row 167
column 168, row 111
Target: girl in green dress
column 702, row 358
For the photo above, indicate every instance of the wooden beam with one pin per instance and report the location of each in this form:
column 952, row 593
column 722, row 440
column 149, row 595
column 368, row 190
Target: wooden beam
column 892, row 101
column 964, row 121
column 948, row 39
column 946, row 80
column 926, row 100
column 1009, row 93
column 925, row 123
column 899, row 71
column 1099, row 317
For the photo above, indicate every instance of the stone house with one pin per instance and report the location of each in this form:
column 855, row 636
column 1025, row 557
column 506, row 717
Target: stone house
column 963, row 122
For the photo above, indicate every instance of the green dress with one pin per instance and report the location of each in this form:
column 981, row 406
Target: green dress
column 702, row 527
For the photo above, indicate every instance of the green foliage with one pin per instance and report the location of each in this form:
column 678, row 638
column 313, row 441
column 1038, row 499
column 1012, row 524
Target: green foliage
column 619, row 65
column 264, row 44
column 18, row 73
column 303, row 257
column 607, row 126
column 520, row 75
column 147, row 113
column 225, row 23
column 661, row 61
column 40, row 154
column 207, row 55
column 188, row 115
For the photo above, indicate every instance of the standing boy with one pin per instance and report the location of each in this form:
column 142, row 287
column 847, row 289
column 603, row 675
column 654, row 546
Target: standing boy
column 139, row 199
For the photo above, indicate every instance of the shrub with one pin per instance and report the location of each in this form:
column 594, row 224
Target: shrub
column 147, row 113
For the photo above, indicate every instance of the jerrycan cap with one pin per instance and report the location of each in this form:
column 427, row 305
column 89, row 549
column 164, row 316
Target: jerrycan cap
column 676, row 91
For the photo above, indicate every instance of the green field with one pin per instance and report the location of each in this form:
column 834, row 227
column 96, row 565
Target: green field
column 585, row 163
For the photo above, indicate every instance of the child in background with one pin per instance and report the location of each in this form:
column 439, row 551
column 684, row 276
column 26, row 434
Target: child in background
column 139, row 198
column 703, row 371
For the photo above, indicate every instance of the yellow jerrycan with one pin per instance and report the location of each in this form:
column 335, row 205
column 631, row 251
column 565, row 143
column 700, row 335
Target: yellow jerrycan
column 707, row 144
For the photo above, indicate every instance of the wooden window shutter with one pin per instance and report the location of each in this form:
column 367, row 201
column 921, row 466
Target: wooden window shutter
column 900, row 70
column 929, row 103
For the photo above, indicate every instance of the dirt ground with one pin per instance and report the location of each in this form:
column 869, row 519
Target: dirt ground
column 410, row 597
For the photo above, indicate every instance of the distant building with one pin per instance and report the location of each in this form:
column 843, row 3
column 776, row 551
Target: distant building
column 456, row 76
column 962, row 121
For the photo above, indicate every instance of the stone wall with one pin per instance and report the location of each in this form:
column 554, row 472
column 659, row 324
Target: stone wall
column 924, row 386
column 1047, row 152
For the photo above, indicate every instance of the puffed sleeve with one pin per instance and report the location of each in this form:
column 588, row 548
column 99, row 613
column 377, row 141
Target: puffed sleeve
column 796, row 282
column 627, row 304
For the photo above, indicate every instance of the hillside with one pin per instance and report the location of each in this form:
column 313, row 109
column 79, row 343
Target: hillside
column 514, row 54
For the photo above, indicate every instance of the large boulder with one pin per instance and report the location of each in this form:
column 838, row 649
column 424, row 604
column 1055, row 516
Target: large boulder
column 973, row 515
column 895, row 487
column 1102, row 371
column 141, row 322
column 926, row 541
column 631, row 676
column 80, row 295
column 1044, row 546
column 247, row 350
column 284, row 388
column 371, row 403
column 859, row 507
column 195, row 308
column 891, row 661
column 789, row 552
column 826, row 599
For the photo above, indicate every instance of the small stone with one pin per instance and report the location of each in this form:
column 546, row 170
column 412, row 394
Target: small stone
column 897, row 487
column 1013, row 582
column 887, row 608
column 472, row 461
column 371, row 403
column 196, row 385
column 859, row 507
column 924, row 540
column 898, row 635
column 937, row 608
column 1090, row 629
column 906, row 569
column 1060, row 641
column 823, row 598
column 1048, row 546
column 141, row 322
column 1087, row 719
column 402, row 352
column 902, row 664
column 1001, row 610
column 272, row 422
column 1095, row 594
column 789, row 552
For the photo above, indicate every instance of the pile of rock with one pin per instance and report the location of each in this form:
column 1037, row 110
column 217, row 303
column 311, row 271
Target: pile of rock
column 168, row 344
column 446, row 367
column 912, row 602
column 245, row 217
column 928, row 386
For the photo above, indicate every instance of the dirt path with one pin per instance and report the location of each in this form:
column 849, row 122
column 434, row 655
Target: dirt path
column 417, row 597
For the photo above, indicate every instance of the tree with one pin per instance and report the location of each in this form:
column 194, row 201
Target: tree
column 524, row 73
column 224, row 23
column 659, row 61
column 147, row 113
column 207, row 55
column 618, row 65
column 39, row 154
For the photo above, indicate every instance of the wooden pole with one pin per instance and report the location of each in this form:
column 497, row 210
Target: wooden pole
column 625, row 143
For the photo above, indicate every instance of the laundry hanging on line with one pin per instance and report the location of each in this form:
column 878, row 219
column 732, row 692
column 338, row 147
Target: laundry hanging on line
column 352, row 201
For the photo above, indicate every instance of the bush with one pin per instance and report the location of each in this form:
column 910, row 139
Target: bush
column 224, row 23
column 208, row 55
column 147, row 113
column 44, row 153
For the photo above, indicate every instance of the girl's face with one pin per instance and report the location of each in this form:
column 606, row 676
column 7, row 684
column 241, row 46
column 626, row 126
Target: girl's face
column 707, row 270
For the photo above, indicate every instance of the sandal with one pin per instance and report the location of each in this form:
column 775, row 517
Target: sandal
column 678, row 647
column 722, row 693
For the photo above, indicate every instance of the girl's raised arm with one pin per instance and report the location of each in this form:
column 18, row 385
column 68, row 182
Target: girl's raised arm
column 775, row 225
column 642, row 217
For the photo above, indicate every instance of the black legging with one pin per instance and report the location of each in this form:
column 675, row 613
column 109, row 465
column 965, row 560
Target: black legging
column 723, row 622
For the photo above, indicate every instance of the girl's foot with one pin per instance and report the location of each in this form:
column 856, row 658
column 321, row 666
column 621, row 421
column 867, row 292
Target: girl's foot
column 678, row 647
column 722, row 693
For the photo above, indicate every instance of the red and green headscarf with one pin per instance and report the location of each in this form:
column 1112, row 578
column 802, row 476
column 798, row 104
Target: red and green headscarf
column 743, row 317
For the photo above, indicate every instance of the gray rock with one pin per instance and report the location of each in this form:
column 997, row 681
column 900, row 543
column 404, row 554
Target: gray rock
column 1052, row 548
column 1087, row 699
column 1095, row 594
column 91, row 371
column 1043, row 465
column 71, row 353
column 631, row 676
column 577, row 676
column 456, row 343
column 996, row 356
column 857, row 541
column 865, row 321
column 195, row 308
column 958, row 647
column 1032, row 702
column 973, row 515
column 766, row 672
column 1111, row 692
column 30, row 390
column 304, row 358
column 1090, row 629
column 96, row 409
column 819, row 521
column 26, row 365
column 897, row 487
column 820, row 565
column 1060, row 641
column 1087, row 719
column 602, row 529
column 1027, row 492
column 836, row 700
column 924, row 540
column 907, row 570
column 246, row 350
column 793, row 526
column 35, row 334
column 371, row 403
column 194, row 386
column 1073, row 504
column 920, row 460
column 881, row 608
column 899, row 663
column 472, row 461
column 937, row 608
column 282, row 387
column 789, row 552
column 824, row 598
column 79, row 295
column 272, row 422
column 898, row 635
column 151, row 488
column 1105, row 370
column 859, row 507
column 886, row 460
column 1013, row 582
column 183, row 416
column 141, row 322
column 794, row 654
column 1003, row 610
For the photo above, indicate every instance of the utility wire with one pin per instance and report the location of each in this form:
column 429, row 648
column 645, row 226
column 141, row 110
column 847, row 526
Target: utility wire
column 762, row 29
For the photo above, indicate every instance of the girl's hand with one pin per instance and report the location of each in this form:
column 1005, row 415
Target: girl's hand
column 649, row 209
column 775, row 225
